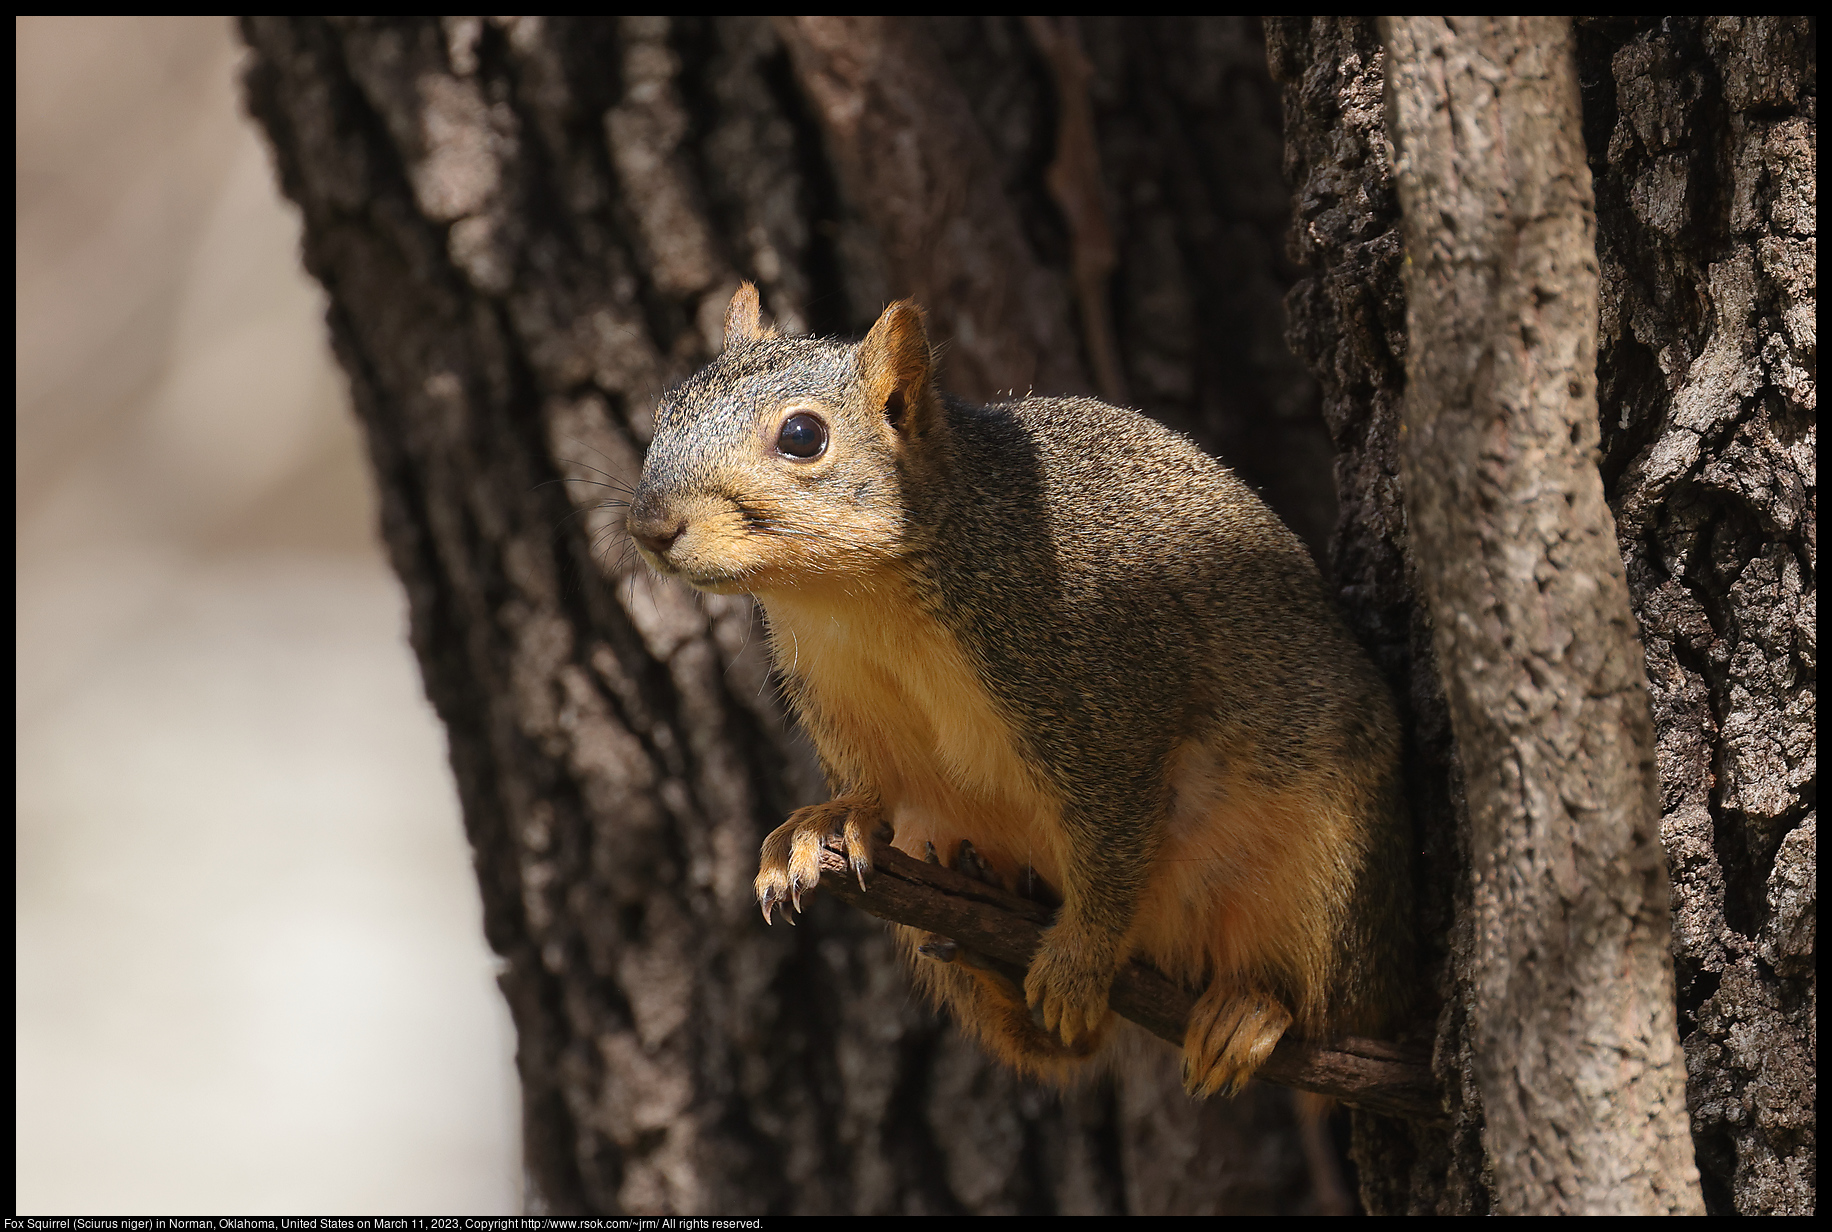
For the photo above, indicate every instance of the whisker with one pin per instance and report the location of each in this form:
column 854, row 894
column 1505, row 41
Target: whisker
column 621, row 489
column 606, row 479
column 581, row 444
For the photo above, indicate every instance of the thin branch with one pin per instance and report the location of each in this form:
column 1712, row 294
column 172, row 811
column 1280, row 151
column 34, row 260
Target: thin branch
column 1006, row 928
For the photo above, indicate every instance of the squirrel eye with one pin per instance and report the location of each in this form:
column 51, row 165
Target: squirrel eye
column 802, row 436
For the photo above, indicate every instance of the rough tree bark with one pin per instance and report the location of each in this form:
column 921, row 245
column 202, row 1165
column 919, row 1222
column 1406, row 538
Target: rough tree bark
column 1700, row 138
column 527, row 229
column 1577, row 1051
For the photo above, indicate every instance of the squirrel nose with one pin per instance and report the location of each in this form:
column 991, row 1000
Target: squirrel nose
column 659, row 539
column 653, row 525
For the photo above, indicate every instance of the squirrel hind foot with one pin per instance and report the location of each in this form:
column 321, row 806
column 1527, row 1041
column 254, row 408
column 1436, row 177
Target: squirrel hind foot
column 790, row 863
column 989, row 1005
column 1067, row 987
column 1231, row 1033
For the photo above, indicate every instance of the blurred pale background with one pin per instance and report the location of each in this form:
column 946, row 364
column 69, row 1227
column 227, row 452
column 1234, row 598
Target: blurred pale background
column 251, row 974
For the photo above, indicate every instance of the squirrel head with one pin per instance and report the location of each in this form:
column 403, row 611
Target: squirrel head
column 783, row 463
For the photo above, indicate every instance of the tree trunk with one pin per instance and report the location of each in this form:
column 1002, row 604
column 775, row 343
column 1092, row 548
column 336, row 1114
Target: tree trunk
column 1700, row 137
column 1582, row 1079
column 527, row 229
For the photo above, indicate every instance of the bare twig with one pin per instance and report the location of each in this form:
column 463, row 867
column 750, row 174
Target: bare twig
column 1006, row 929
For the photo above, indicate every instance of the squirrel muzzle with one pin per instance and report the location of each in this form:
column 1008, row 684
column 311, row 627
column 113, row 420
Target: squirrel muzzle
column 697, row 536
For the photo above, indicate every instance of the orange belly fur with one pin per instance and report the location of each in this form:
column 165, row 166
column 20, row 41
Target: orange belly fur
column 894, row 706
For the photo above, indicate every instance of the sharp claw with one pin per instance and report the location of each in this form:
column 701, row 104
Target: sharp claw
column 858, row 869
column 928, row 854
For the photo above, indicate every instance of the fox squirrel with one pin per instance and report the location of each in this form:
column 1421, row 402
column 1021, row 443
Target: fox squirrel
column 1060, row 633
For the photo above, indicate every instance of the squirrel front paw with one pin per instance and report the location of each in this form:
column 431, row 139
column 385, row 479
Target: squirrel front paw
column 790, row 863
column 1232, row 1032
column 1067, row 986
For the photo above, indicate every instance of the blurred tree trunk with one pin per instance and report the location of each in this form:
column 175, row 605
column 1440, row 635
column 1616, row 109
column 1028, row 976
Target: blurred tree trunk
column 1701, row 137
column 528, row 229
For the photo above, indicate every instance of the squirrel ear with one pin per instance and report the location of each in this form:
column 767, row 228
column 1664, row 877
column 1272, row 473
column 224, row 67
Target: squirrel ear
column 744, row 317
column 894, row 365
